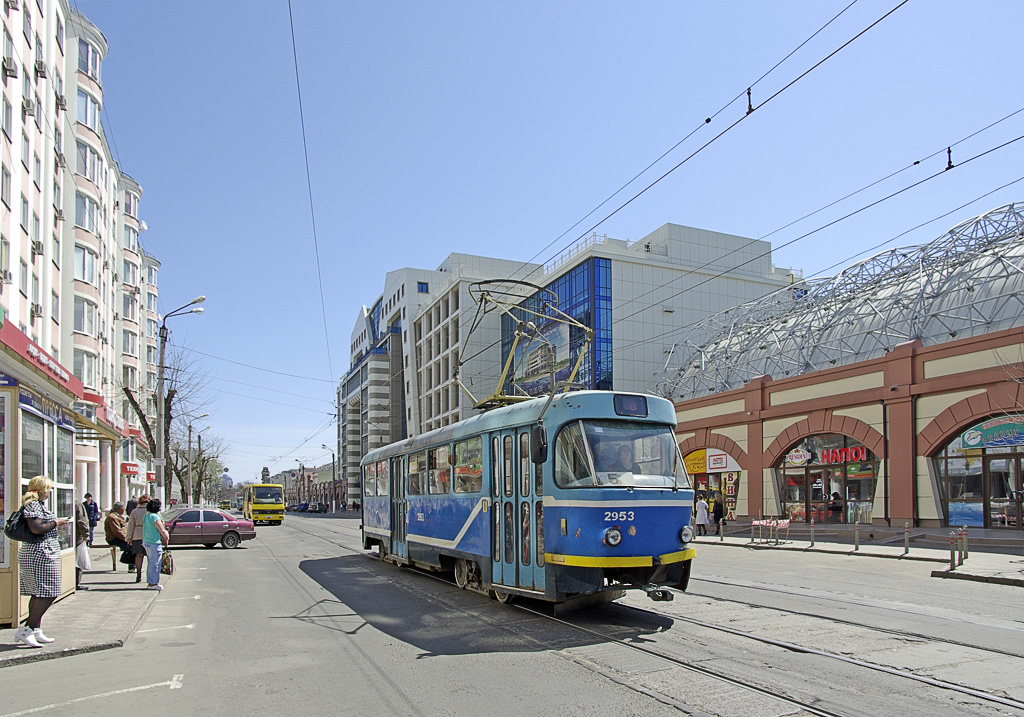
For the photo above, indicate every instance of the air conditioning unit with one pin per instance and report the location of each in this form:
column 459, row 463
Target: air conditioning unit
column 10, row 67
column 28, row 106
column 40, row 68
column 62, row 103
column 12, row 4
column 6, row 277
column 37, row 310
column 61, row 161
column 59, row 215
column 37, row 247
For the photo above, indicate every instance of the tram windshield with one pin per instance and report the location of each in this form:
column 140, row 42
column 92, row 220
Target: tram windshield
column 618, row 453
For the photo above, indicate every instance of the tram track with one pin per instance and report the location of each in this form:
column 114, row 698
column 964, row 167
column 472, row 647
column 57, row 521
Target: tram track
column 692, row 665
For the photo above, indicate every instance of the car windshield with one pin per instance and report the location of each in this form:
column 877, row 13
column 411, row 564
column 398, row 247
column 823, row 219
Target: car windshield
column 268, row 495
column 618, row 453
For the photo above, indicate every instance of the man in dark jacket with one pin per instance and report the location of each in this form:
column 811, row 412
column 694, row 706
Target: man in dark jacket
column 92, row 511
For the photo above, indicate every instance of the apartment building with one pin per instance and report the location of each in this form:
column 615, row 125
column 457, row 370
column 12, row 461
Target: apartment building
column 75, row 284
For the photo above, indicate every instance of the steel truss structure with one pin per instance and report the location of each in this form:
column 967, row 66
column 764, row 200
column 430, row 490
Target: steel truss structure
column 967, row 282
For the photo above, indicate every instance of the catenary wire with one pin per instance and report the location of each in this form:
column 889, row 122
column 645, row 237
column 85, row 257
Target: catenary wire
column 309, row 189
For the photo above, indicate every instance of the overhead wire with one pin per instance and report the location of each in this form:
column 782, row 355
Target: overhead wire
column 309, row 189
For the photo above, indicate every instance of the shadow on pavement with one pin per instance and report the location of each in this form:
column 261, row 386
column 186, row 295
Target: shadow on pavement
column 440, row 619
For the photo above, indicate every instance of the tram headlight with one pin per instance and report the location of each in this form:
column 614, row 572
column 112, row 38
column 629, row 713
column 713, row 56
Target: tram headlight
column 612, row 537
column 686, row 534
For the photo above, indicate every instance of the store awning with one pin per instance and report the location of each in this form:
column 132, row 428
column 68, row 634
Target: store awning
column 88, row 430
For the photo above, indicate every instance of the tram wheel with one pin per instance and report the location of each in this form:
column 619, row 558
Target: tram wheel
column 461, row 573
column 503, row 597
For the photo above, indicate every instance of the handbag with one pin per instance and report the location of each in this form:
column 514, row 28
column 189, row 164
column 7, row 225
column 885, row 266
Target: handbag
column 16, row 528
column 126, row 557
column 167, row 563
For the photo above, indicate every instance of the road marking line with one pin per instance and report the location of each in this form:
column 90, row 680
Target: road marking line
column 176, row 627
column 193, row 580
column 194, row 597
column 174, row 684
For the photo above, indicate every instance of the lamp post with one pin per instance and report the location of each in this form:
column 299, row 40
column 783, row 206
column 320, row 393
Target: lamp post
column 302, row 482
column 161, row 438
column 199, row 440
column 204, row 415
column 334, row 480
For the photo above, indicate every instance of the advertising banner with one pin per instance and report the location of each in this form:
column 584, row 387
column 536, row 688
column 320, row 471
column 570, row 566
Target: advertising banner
column 1002, row 431
column 531, row 372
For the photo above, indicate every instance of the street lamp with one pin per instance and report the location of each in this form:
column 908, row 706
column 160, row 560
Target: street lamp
column 161, row 409
column 334, row 478
column 203, row 415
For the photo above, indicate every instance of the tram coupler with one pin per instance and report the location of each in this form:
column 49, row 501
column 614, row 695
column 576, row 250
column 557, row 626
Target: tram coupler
column 658, row 594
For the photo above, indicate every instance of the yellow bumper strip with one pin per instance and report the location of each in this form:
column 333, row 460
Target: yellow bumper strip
column 628, row 562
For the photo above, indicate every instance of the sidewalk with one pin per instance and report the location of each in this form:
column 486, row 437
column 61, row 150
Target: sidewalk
column 991, row 567
column 103, row 616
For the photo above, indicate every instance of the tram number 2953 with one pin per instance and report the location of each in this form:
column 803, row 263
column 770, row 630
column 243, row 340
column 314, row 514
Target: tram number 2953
column 613, row 515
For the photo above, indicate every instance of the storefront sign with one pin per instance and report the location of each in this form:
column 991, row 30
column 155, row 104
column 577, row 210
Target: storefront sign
column 12, row 338
column 130, row 468
column 151, row 476
column 717, row 462
column 6, row 380
column 696, row 462
column 798, row 456
column 1002, row 431
column 842, row 455
column 46, row 408
column 710, row 460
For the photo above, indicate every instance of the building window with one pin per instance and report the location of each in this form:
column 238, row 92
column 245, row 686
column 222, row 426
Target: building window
column 152, row 271
column 151, row 302
column 85, row 316
column 131, row 308
column 130, row 342
column 131, row 239
column 85, row 265
column 60, row 34
column 23, row 277
column 8, row 118
column 88, row 59
column 86, row 210
column 26, row 151
column 131, row 273
column 24, row 213
column 422, row 287
column 88, row 111
column 55, row 306
column 151, row 328
column 5, row 187
column 130, row 375
column 131, row 204
column 85, row 368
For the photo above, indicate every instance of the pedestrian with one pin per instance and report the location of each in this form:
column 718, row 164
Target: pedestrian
column 154, row 538
column 93, row 511
column 835, row 509
column 134, row 532
column 131, row 505
column 702, row 515
column 82, row 562
column 718, row 513
column 114, row 530
column 39, row 563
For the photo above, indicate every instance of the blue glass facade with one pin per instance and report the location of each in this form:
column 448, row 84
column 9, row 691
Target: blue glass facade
column 585, row 294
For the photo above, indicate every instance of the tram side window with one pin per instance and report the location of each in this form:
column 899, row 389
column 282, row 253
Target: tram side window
column 439, row 471
column 469, row 467
column 416, row 474
column 509, row 464
column 370, row 480
column 383, row 474
column 572, row 467
column 495, row 465
column 524, row 463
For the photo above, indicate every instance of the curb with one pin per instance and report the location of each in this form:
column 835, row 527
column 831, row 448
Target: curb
column 952, row 575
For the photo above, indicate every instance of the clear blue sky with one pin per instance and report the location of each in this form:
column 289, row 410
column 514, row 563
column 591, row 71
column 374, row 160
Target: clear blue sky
column 492, row 128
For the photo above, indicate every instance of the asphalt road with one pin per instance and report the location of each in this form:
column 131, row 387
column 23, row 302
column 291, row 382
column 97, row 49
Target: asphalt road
column 300, row 619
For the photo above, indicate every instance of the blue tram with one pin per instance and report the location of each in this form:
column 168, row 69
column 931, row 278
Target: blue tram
column 606, row 508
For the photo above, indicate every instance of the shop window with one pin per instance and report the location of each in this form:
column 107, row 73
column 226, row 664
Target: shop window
column 828, row 477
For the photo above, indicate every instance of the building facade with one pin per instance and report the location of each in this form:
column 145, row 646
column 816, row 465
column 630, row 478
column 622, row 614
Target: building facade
column 425, row 353
column 889, row 394
column 70, row 278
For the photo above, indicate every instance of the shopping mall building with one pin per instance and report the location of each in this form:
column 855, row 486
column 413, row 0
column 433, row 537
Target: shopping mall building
column 890, row 393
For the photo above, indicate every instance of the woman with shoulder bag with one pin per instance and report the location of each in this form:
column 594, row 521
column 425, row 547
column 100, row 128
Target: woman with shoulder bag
column 154, row 538
column 134, row 533
column 39, row 563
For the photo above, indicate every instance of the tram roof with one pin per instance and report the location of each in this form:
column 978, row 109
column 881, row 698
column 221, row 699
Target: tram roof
column 520, row 414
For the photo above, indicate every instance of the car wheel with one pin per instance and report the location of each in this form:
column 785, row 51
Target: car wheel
column 208, row 545
column 230, row 540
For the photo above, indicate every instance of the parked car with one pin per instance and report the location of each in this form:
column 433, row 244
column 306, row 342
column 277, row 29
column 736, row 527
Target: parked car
column 302, row 507
column 317, row 508
column 194, row 526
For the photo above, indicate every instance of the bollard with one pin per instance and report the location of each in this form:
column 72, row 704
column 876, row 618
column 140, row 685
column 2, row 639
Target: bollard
column 952, row 550
column 965, row 543
column 751, row 531
column 856, row 536
column 812, row 532
column 906, row 538
column 960, row 546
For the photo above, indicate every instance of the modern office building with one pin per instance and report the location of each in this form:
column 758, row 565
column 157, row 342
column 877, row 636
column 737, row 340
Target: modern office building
column 70, row 280
column 424, row 354
column 891, row 393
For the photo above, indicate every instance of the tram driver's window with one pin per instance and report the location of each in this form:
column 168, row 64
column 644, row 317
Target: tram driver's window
column 572, row 467
column 439, row 471
column 370, row 480
column 469, row 467
column 416, row 474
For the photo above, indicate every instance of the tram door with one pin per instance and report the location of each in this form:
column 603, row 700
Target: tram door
column 399, row 507
column 513, row 517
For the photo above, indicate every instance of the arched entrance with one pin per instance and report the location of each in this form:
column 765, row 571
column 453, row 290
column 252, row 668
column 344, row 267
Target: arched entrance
column 827, row 477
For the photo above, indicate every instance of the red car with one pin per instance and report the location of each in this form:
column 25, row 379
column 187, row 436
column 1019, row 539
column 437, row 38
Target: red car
column 207, row 526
